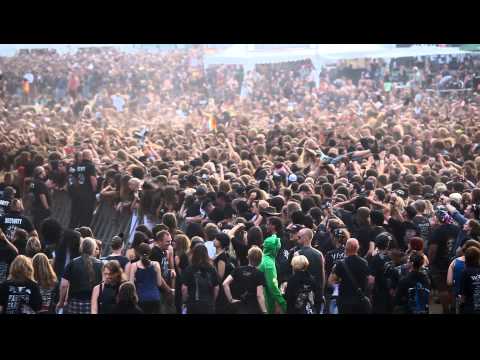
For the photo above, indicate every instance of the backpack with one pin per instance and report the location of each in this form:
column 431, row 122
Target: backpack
column 305, row 300
column 418, row 299
column 203, row 286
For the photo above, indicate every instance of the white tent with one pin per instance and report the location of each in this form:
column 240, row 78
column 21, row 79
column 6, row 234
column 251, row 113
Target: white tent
column 250, row 55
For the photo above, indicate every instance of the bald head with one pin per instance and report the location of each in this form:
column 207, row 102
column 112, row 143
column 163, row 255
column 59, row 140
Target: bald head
column 305, row 237
column 351, row 247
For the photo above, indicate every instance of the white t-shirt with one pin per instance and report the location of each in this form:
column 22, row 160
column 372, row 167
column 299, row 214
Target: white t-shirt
column 211, row 249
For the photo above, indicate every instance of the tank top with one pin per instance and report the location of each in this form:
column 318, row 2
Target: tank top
column 107, row 297
column 146, row 283
column 458, row 267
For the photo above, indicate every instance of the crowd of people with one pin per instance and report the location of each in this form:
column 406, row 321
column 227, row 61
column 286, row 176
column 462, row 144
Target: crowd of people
column 141, row 183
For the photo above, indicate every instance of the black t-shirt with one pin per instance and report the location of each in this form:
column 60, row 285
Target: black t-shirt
column 444, row 236
column 423, row 225
column 377, row 270
column 363, row 233
column 302, row 294
column 4, row 205
column 13, row 220
column 316, row 264
column 76, row 273
column 322, row 240
column 228, row 265
column 470, row 288
column 15, row 294
column 123, row 260
column 359, row 269
column 190, row 279
column 407, row 283
column 246, row 279
column 332, row 257
column 38, row 188
column 79, row 178
column 162, row 258
column 7, row 255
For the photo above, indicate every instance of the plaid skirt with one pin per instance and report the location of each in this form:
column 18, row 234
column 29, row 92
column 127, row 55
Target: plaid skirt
column 75, row 306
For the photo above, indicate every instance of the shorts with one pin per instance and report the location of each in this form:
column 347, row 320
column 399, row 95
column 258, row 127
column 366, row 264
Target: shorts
column 439, row 278
column 75, row 306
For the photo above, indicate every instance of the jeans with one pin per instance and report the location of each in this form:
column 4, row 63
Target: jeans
column 332, row 307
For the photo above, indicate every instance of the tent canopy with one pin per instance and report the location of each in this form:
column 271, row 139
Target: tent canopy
column 320, row 54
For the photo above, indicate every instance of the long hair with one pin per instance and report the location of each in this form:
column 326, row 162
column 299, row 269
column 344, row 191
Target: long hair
column 69, row 245
column 127, row 294
column 200, row 257
column 182, row 244
column 144, row 251
column 43, row 271
column 170, row 220
column 21, row 269
column 114, row 267
column 88, row 250
column 51, row 230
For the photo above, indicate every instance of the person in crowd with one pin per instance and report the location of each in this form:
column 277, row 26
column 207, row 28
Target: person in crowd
column 47, row 282
column 117, row 250
column 66, row 250
column 412, row 295
column 200, row 285
column 441, row 245
column 316, row 262
column 20, row 294
column 224, row 266
column 147, row 277
column 127, row 300
column 8, row 253
column 182, row 261
column 104, row 295
column 302, row 292
column 469, row 282
column 83, row 186
column 15, row 219
column 244, row 287
column 455, row 271
column 273, row 297
column 41, row 197
column 161, row 253
column 351, row 273
column 108, row 146
column 378, row 276
column 81, row 275
column 340, row 237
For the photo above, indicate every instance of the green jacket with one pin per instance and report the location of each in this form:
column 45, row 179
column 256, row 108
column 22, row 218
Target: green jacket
column 271, row 246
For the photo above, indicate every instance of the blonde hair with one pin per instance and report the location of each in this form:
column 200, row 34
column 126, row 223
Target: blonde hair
column 182, row 243
column 33, row 246
column 255, row 255
column 299, row 263
column 43, row 271
column 21, row 269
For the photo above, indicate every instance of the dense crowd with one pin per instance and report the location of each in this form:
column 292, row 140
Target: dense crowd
column 142, row 183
